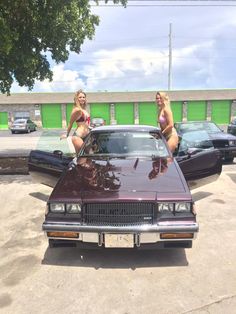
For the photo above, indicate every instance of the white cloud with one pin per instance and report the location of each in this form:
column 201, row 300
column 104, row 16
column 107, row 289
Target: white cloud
column 130, row 51
column 63, row 81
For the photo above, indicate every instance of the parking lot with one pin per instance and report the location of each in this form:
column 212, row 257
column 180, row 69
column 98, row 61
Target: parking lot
column 37, row 279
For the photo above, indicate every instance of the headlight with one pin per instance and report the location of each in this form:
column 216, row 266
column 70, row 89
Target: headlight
column 57, row 208
column 73, row 208
column 182, row 207
column 232, row 143
column 166, row 207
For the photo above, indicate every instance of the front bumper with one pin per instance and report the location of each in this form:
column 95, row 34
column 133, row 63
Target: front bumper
column 128, row 236
column 229, row 152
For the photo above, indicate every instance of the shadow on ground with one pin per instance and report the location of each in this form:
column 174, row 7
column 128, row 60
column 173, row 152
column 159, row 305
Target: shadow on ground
column 114, row 258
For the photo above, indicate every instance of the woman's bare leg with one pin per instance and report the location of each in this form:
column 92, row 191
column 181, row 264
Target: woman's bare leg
column 173, row 142
column 77, row 142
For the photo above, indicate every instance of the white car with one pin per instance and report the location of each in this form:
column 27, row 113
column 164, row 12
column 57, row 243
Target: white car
column 23, row 126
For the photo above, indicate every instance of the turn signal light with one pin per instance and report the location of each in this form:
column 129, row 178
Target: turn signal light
column 176, row 235
column 66, row 234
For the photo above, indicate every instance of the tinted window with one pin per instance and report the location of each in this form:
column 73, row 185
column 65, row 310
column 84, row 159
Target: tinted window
column 198, row 140
column 125, row 143
column 207, row 126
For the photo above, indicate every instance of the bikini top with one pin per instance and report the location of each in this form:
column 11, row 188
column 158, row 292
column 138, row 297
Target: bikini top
column 162, row 119
column 84, row 118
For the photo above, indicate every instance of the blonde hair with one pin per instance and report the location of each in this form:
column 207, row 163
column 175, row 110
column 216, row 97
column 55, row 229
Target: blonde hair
column 76, row 101
column 165, row 98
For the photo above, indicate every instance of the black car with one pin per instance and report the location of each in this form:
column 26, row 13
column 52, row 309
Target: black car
column 222, row 141
column 231, row 129
column 124, row 189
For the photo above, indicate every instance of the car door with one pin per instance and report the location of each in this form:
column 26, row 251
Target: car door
column 46, row 167
column 199, row 161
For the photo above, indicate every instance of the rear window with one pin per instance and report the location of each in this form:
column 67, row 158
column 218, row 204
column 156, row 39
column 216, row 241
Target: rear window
column 19, row 121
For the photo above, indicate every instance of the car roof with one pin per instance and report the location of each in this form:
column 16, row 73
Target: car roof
column 190, row 122
column 142, row 128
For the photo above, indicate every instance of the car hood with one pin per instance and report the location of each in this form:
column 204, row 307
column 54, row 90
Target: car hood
column 222, row 136
column 121, row 179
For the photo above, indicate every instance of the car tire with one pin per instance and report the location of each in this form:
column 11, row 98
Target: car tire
column 13, row 132
column 51, row 243
column 229, row 159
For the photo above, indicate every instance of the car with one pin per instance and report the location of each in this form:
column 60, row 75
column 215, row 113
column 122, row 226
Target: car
column 231, row 129
column 97, row 122
column 224, row 142
column 123, row 190
column 23, row 126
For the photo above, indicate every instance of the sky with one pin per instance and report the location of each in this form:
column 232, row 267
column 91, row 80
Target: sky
column 130, row 49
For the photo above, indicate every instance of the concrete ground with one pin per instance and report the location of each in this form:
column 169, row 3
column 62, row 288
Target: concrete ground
column 37, row 279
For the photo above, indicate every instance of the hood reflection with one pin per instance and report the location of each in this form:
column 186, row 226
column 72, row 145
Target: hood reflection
column 159, row 167
column 98, row 176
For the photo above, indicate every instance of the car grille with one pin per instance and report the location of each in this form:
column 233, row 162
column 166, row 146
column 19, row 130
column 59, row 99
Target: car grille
column 118, row 214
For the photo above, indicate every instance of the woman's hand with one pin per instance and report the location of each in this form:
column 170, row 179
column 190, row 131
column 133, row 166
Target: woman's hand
column 63, row 136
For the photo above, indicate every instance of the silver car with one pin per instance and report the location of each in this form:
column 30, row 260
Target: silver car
column 23, row 126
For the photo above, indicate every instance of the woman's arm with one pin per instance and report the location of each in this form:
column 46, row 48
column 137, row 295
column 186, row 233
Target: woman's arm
column 75, row 115
column 169, row 121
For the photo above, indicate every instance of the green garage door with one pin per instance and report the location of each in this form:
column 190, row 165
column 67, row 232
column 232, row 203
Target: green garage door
column 3, row 120
column 196, row 111
column 176, row 107
column 220, row 111
column 124, row 113
column 51, row 116
column 148, row 113
column 100, row 111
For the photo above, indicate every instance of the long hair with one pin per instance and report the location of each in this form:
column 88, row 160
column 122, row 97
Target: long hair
column 165, row 98
column 76, row 100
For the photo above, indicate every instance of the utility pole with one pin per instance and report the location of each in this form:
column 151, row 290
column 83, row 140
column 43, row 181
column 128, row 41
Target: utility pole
column 170, row 58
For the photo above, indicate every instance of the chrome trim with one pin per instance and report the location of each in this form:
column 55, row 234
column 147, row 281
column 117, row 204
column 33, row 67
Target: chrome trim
column 142, row 238
column 58, row 226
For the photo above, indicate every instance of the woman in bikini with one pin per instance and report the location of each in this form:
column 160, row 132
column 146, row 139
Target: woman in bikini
column 165, row 119
column 82, row 119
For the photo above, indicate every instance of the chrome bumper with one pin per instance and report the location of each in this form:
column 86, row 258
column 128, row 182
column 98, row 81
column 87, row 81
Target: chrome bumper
column 142, row 234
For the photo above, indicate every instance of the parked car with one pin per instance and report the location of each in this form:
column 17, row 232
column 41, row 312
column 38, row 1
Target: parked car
column 124, row 189
column 231, row 129
column 97, row 122
column 225, row 142
column 23, row 126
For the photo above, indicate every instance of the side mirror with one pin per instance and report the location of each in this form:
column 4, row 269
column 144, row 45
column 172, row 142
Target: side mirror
column 58, row 152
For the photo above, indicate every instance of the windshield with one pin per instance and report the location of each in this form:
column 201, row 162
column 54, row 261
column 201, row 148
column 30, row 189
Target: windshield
column 210, row 127
column 198, row 140
column 130, row 143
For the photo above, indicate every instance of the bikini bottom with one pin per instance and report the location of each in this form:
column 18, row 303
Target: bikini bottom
column 81, row 134
column 172, row 132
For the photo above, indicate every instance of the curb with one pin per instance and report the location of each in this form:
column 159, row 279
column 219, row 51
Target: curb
column 13, row 165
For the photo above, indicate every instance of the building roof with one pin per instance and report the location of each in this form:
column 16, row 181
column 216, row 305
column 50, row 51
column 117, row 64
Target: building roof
column 116, row 97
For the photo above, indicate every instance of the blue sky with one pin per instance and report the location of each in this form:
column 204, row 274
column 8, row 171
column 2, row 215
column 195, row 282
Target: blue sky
column 130, row 49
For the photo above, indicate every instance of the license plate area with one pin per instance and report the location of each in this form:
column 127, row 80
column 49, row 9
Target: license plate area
column 119, row 240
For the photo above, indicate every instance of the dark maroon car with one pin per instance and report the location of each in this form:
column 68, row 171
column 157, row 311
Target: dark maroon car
column 124, row 189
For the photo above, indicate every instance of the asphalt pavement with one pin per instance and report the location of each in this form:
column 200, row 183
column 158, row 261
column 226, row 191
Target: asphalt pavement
column 20, row 145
